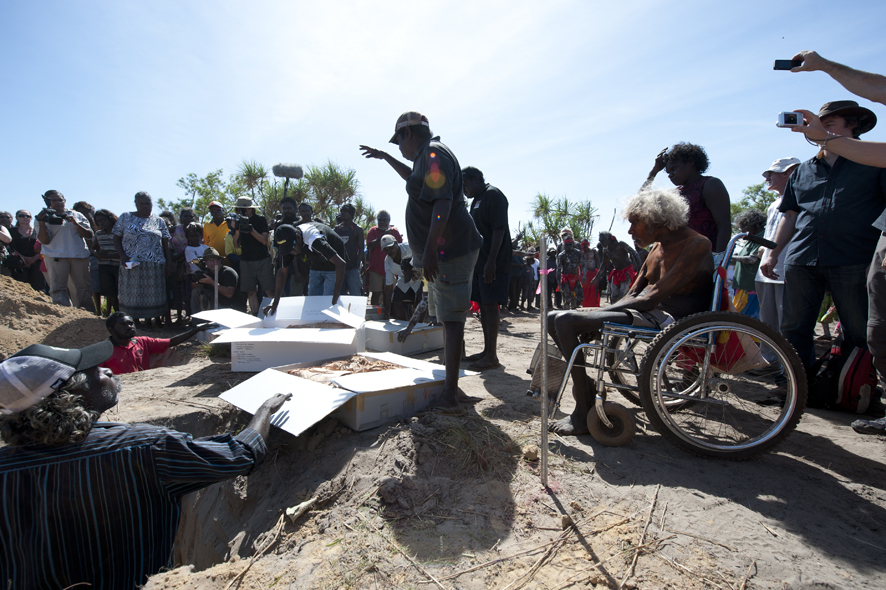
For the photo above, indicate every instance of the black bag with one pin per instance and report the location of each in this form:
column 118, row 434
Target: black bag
column 843, row 380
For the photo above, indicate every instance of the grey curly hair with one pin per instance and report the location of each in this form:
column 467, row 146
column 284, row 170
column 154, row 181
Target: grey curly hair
column 60, row 418
column 658, row 208
column 751, row 219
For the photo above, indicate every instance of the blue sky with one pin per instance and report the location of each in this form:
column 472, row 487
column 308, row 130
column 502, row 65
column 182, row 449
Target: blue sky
column 103, row 99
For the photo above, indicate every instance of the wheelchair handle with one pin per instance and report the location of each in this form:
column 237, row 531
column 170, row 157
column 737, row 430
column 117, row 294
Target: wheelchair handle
column 760, row 241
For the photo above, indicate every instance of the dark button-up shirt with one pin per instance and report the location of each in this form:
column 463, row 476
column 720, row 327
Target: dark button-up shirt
column 836, row 206
column 105, row 511
column 436, row 175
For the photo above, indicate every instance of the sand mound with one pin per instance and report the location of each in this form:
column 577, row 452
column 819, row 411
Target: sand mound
column 30, row 317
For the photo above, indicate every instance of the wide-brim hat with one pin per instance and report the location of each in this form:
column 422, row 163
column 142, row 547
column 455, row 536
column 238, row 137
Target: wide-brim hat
column 210, row 253
column 781, row 165
column 37, row 371
column 408, row 119
column 867, row 118
column 244, row 203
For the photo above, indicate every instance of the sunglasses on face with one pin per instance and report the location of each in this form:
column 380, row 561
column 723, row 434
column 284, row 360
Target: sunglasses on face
column 23, row 216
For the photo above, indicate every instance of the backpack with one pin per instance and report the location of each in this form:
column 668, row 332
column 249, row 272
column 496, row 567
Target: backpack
column 843, row 380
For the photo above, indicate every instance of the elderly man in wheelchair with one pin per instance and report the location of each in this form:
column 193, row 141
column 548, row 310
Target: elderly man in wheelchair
column 697, row 371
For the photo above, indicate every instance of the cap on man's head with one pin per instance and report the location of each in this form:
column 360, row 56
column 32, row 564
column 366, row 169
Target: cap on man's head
column 349, row 208
column 866, row 118
column 210, row 254
column 39, row 370
column 284, row 238
column 387, row 241
column 244, row 203
column 781, row 165
column 215, row 204
column 408, row 119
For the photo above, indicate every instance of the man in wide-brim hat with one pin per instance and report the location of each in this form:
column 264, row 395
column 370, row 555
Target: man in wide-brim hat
column 828, row 205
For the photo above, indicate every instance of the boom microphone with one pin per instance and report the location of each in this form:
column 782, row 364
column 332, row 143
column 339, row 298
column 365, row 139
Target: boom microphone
column 288, row 171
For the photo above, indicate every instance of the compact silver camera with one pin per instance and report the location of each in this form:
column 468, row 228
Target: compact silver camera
column 789, row 119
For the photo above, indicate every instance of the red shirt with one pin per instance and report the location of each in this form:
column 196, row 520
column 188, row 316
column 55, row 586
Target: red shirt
column 377, row 255
column 135, row 356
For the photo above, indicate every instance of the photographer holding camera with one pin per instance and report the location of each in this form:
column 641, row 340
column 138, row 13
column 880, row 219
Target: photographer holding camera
column 203, row 295
column 63, row 233
column 251, row 233
column 828, row 206
column 870, row 153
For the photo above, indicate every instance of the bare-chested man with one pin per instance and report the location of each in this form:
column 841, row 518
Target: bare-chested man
column 674, row 282
column 625, row 264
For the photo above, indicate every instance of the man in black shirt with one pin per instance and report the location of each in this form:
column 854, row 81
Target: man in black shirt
column 325, row 251
column 229, row 297
column 255, row 261
column 442, row 235
column 489, row 288
column 355, row 246
column 828, row 205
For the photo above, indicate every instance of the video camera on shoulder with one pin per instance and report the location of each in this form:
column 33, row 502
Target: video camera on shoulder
column 240, row 222
column 51, row 216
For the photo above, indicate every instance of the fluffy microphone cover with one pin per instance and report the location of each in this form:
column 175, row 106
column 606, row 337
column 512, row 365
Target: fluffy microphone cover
column 288, row 170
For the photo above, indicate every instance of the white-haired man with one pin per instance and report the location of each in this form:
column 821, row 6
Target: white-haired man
column 674, row 282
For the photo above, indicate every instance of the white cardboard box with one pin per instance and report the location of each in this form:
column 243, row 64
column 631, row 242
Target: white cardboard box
column 382, row 337
column 261, row 343
column 362, row 400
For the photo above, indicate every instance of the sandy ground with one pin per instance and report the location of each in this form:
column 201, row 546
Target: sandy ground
column 450, row 502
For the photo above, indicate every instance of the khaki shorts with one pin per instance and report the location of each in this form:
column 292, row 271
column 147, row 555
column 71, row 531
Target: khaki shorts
column 376, row 282
column 257, row 272
column 651, row 319
column 452, row 288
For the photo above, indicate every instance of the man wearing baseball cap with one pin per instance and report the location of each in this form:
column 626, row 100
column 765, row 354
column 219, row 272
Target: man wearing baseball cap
column 215, row 230
column 442, row 234
column 829, row 203
column 92, row 503
column 770, row 292
column 326, row 255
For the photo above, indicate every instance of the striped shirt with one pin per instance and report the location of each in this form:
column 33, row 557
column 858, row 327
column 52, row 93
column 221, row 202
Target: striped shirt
column 105, row 511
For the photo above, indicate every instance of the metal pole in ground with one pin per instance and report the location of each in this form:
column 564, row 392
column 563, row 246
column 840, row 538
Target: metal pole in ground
column 216, row 288
column 542, row 306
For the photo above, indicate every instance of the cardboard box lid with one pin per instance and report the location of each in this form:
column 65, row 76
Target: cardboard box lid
column 307, row 335
column 397, row 325
column 309, row 310
column 384, row 380
column 310, row 403
column 229, row 318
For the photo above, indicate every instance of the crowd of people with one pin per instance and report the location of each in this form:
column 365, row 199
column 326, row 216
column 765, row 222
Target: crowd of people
column 143, row 265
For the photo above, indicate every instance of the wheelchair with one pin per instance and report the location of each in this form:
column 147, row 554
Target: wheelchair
column 716, row 384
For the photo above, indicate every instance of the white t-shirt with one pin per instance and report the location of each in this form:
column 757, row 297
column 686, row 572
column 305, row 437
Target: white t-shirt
column 192, row 252
column 64, row 240
column 773, row 218
column 535, row 269
column 393, row 273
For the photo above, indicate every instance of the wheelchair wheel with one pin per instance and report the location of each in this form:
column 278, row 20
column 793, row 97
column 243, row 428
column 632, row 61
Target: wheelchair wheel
column 622, row 430
column 628, row 374
column 742, row 404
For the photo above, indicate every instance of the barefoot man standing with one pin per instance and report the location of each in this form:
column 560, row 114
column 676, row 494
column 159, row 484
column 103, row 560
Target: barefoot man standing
column 674, row 282
column 444, row 240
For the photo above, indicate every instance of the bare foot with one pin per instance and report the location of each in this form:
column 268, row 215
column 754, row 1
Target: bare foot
column 569, row 426
column 485, row 363
column 446, row 400
column 473, row 357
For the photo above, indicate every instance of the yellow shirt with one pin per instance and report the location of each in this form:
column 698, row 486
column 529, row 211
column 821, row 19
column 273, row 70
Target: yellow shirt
column 214, row 235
